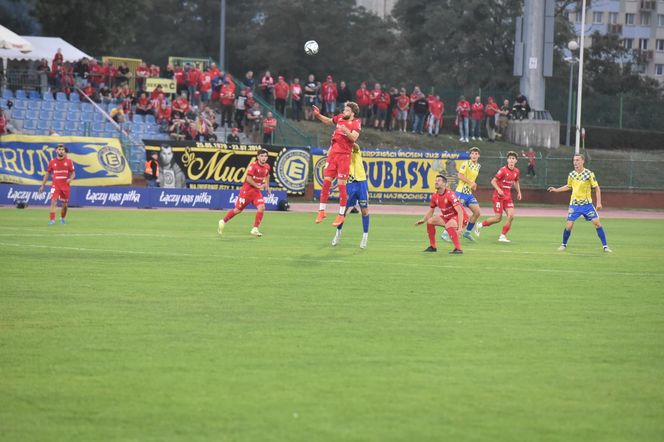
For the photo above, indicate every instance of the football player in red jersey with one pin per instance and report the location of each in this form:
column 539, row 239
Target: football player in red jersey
column 62, row 169
column 257, row 179
column 347, row 131
column 506, row 177
column 452, row 216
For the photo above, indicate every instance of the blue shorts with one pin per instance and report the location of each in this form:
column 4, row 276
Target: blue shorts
column 358, row 193
column 587, row 210
column 467, row 198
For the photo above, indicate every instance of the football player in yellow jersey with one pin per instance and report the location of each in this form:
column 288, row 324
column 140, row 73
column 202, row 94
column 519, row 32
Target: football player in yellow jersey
column 582, row 181
column 358, row 193
column 464, row 191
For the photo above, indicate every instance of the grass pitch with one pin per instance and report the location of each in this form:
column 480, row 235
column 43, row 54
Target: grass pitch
column 145, row 325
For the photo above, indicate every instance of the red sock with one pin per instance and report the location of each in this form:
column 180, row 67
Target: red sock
column 431, row 231
column 231, row 213
column 51, row 216
column 454, row 237
column 506, row 228
column 343, row 195
column 325, row 191
column 484, row 223
column 258, row 219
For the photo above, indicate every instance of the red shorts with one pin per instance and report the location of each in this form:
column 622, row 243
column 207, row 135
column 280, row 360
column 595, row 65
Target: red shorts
column 446, row 219
column 337, row 165
column 249, row 196
column 502, row 203
column 61, row 194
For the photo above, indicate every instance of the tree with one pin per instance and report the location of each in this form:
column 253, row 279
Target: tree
column 16, row 15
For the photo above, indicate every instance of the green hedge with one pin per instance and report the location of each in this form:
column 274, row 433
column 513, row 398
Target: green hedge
column 618, row 139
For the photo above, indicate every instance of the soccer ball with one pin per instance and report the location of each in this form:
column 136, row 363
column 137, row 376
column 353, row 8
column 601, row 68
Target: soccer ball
column 311, row 47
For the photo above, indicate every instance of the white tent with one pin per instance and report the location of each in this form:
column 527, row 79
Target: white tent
column 11, row 41
column 45, row 47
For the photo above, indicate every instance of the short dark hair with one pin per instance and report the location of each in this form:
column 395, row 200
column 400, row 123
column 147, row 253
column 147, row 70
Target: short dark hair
column 511, row 153
column 474, row 149
column 353, row 107
column 261, row 152
column 441, row 176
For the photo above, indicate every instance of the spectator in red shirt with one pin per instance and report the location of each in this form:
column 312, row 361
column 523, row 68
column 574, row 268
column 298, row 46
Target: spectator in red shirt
column 463, row 114
column 476, row 117
column 266, row 86
column 142, row 72
column 205, row 86
column 382, row 102
column 491, row 110
column 281, row 91
column 329, row 94
column 227, row 99
column 296, row 98
column 269, row 126
column 155, row 71
column 530, row 155
column 436, row 109
column 193, row 79
column 3, row 122
column 164, row 112
column 180, row 105
column 403, row 105
column 179, row 76
column 144, row 105
column 363, row 100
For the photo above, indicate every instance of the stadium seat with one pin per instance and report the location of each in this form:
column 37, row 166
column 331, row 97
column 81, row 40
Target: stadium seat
column 150, row 119
column 60, row 96
column 48, row 105
column 59, row 116
column 32, row 114
column 34, row 95
column 86, row 107
column 98, row 126
column 48, row 96
column 72, row 126
column 20, row 104
column 45, row 115
column 58, row 126
column 34, row 104
column 138, row 118
column 73, row 116
column 7, row 94
column 86, row 116
column 137, row 128
column 44, row 125
column 74, row 97
column 73, row 106
column 30, row 124
column 20, row 93
column 61, row 106
column 18, row 114
column 98, row 116
column 3, row 102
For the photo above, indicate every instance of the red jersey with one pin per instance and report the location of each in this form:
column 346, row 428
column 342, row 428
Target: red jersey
column 281, row 90
column 383, row 100
column 447, row 202
column 363, row 97
column 403, row 102
column 340, row 142
column 463, row 108
column 491, row 109
column 257, row 173
column 477, row 111
column 329, row 91
column 506, row 179
column 436, row 108
column 60, row 170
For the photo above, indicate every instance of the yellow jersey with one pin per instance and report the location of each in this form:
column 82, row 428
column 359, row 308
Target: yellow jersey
column 470, row 170
column 581, row 184
column 356, row 171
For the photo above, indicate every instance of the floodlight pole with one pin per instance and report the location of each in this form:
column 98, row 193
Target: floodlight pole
column 579, row 93
column 222, row 36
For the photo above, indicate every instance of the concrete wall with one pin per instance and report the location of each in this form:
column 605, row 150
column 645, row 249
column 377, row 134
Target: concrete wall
column 534, row 133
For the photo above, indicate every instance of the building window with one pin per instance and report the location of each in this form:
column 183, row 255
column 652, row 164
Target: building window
column 660, row 20
column 645, row 19
column 659, row 44
column 641, row 69
column 628, row 43
column 598, row 17
column 659, row 69
column 643, row 44
column 629, row 19
column 613, row 18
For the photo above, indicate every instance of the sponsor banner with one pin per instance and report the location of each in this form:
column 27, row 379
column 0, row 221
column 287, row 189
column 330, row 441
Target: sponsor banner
column 142, row 197
column 397, row 175
column 98, row 161
column 209, row 165
column 168, row 86
column 200, row 63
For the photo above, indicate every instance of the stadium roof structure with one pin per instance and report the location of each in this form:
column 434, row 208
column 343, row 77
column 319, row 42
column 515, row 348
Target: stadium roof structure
column 9, row 40
column 44, row 47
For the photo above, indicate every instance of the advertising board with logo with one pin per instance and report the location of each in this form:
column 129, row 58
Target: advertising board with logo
column 210, row 165
column 98, row 161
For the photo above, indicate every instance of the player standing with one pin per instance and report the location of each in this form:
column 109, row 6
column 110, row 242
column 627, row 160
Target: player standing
column 582, row 181
column 347, row 131
column 62, row 169
column 358, row 193
column 464, row 191
column 452, row 216
column 506, row 177
column 257, row 179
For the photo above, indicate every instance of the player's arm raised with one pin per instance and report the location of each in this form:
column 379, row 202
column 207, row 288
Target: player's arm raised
column 564, row 188
column 426, row 217
column 494, row 183
column 322, row 118
column 46, row 176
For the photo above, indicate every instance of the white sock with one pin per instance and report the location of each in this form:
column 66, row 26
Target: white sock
column 322, row 206
column 342, row 210
column 365, row 236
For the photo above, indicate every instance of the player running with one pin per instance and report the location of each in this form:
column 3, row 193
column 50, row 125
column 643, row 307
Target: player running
column 452, row 216
column 464, row 191
column 506, row 177
column 347, row 131
column 62, row 169
column 582, row 181
column 358, row 193
column 257, row 179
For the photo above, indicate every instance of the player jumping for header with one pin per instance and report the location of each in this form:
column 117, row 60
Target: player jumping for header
column 347, row 131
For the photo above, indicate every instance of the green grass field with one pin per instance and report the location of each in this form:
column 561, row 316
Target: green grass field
column 145, row 325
